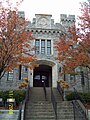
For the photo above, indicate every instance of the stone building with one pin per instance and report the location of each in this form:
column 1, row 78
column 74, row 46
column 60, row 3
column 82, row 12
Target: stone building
column 46, row 33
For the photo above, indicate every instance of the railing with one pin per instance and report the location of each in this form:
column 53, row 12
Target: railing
column 44, row 88
column 21, row 115
column 20, row 112
column 61, row 90
column 78, row 96
column 80, row 112
column 54, row 103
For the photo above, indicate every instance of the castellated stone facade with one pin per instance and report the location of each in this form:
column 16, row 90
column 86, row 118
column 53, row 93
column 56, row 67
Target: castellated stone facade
column 45, row 32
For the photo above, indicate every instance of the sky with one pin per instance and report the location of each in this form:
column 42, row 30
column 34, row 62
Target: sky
column 53, row 7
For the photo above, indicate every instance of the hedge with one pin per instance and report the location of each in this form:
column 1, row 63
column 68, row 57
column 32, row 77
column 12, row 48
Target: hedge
column 19, row 95
column 85, row 96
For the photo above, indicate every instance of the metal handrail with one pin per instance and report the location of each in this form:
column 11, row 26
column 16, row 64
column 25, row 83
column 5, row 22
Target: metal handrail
column 23, row 105
column 77, row 96
column 25, row 101
column 80, row 112
column 44, row 88
column 61, row 90
column 20, row 112
column 54, row 103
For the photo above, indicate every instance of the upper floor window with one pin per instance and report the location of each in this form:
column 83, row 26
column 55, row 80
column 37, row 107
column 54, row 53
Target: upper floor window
column 37, row 46
column 48, row 47
column 43, row 46
column 71, row 47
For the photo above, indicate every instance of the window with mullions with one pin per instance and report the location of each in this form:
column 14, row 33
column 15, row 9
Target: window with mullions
column 42, row 46
column 37, row 46
column 72, row 78
column 10, row 76
column 26, row 69
column 48, row 47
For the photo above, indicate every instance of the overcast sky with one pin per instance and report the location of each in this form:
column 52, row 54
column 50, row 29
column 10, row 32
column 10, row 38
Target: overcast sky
column 54, row 7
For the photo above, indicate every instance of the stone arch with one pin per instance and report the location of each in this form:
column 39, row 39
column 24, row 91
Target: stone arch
column 46, row 66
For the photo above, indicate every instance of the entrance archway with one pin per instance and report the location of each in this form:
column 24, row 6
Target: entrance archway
column 44, row 66
column 42, row 73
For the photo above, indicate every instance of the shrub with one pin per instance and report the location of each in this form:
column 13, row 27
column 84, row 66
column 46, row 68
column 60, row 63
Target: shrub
column 85, row 96
column 70, row 96
column 19, row 95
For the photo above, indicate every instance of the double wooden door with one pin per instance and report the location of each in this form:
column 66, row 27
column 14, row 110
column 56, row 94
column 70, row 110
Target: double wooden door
column 39, row 78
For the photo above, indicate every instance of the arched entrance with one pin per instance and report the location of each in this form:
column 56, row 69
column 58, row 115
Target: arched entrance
column 42, row 73
column 47, row 68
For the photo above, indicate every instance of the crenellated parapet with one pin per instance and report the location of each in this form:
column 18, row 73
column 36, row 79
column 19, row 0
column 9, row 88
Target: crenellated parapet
column 45, row 21
column 21, row 14
column 67, row 20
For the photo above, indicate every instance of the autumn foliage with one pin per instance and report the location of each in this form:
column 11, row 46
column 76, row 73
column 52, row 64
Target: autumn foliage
column 24, row 84
column 74, row 48
column 63, row 84
column 15, row 40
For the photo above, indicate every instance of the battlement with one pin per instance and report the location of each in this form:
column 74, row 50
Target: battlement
column 67, row 18
column 21, row 14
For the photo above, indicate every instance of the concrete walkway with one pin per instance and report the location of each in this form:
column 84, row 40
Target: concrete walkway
column 4, row 115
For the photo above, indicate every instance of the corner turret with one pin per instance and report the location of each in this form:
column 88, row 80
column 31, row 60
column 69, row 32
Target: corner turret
column 67, row 21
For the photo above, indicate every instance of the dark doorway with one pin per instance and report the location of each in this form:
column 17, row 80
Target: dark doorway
column 42, row 74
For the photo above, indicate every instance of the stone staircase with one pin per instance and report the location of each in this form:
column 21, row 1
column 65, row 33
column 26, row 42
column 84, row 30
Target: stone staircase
column 41, row 110
column 38, row 108
column 65, row 111
column 64, row 108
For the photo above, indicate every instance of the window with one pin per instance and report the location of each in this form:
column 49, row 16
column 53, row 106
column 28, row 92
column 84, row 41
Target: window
column 37, row 77
column 26, row 69
column 44, row 77
column 82, row 78
column 71, row 47
column 37, row 45
column 42, row 46
column 48, row 47
column 10, row 76
column 72, row 78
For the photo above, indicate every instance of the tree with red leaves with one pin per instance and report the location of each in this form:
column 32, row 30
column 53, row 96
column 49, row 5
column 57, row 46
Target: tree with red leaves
column 15, row 39
column 74, row 49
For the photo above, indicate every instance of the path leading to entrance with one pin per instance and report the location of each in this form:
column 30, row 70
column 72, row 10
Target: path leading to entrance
column 38, row 108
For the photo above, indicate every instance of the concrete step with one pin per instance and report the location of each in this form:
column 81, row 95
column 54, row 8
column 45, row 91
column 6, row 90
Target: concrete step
column 37, row 94
column 41, row 119
column 38, row 108
column 57, row 95
column 36, row 113
column 65, row 110
column 41, row 116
